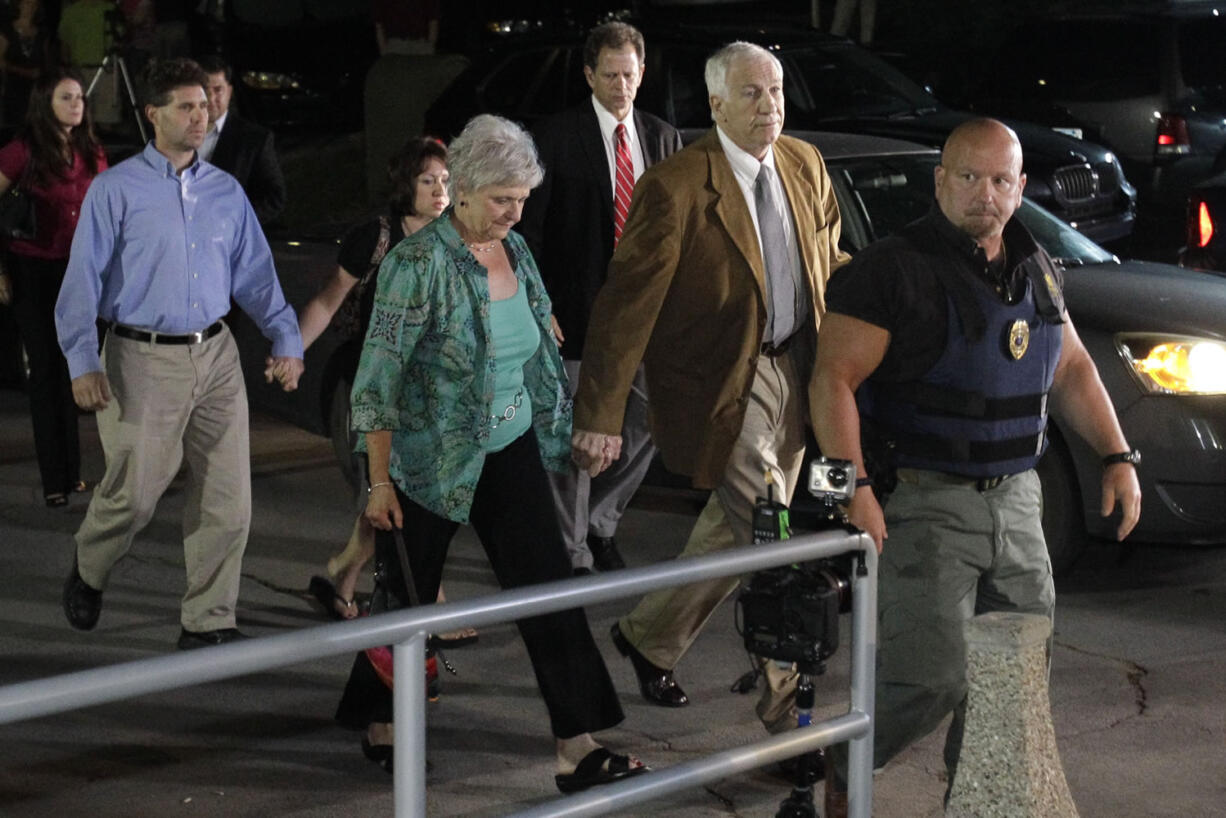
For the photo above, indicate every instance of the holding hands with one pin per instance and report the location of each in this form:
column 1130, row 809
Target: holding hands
column 594, row 451
column 284, row 370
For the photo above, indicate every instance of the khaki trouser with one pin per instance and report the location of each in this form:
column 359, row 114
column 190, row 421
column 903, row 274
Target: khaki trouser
column 171, row 403
column 953, row 553
column 665, row 623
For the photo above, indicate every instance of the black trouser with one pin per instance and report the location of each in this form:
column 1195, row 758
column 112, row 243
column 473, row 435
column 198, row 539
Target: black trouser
column 513, row 516
column 36, row 286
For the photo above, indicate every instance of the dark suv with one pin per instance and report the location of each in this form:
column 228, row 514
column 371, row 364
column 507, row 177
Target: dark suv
column 830, row 84
column 1146, row 79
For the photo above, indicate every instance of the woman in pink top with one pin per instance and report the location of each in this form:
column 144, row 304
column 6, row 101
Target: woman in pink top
column 54, row 158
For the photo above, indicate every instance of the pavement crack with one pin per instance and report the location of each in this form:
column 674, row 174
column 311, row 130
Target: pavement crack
column 723, row 799
column 657, row 743
column 1136, row 678
column 1135, row 673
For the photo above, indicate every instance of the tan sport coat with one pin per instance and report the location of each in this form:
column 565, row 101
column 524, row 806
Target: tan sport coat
column 686, row 294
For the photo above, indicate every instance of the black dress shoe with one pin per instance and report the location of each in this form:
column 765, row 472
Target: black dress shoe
column 582, row 571
column 190, row 640
column 656, row 684
column 604, row 553
column 382, row 754
column 82, row 603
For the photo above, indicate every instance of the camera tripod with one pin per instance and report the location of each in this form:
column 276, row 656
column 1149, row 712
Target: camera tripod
column 800, row 804
column 113, row 56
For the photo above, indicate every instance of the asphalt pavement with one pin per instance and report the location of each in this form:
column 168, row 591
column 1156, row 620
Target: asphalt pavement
column 1137, row 681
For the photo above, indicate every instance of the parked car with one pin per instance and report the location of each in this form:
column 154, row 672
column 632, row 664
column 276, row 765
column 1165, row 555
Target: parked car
column 300, row 62
column 829, row 83
column 1145, row 79
column 1156, row 332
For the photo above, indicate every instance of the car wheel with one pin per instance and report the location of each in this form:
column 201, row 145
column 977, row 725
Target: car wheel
column 343, row 439
column 1063, row 520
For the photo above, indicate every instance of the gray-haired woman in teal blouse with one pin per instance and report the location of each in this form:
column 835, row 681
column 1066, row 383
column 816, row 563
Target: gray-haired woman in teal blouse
column 460, row 394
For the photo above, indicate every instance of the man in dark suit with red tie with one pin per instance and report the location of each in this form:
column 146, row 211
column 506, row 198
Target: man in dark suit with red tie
column 240, row 147
column 592, row 154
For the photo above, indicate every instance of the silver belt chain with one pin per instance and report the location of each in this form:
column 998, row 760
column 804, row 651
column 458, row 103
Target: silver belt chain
column 509, row 412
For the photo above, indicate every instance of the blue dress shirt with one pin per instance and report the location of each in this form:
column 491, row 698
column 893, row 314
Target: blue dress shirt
column 165, row 252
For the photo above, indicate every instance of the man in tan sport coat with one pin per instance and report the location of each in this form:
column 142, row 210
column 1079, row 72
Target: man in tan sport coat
column 727, row 339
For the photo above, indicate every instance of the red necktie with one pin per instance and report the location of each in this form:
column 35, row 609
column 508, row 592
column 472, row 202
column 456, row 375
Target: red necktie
column 625, row 182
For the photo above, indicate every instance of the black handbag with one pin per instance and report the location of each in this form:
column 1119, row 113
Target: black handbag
column 17, row 219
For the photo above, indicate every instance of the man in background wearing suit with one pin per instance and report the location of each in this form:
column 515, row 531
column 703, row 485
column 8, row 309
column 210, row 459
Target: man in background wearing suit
column 717, row 286
column 592, row 154
column 240, row 147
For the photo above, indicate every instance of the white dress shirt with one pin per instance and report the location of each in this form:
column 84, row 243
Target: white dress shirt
column 745, row 168
column 608, row 132
column 210, row 138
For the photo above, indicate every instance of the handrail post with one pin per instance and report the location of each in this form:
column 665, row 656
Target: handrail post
column 863, row 681
column 409, row 711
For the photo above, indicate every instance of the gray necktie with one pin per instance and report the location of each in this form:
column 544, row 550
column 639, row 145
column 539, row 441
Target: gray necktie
column 780, row 283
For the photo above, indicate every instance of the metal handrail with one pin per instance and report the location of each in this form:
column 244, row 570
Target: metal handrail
column 408, row 630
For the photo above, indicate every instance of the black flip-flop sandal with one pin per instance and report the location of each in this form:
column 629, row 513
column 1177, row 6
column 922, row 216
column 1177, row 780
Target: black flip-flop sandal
column 325, row 594
column 592, row 772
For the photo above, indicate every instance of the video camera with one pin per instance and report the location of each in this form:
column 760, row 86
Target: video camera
column 791, row 613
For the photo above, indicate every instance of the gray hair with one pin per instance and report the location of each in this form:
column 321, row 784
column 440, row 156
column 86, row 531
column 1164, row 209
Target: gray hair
column 492, row 151
column 719, row 63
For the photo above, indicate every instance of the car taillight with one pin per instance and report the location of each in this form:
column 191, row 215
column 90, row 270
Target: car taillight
column 1172, row 138
column 1200, row 224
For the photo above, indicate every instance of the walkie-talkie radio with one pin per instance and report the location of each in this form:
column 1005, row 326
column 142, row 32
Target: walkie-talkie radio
column 770, row 517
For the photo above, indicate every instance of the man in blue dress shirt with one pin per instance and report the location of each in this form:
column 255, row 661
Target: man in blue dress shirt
column 164, row 242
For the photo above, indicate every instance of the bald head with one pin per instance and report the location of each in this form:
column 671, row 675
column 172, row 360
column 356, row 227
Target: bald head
column 979, row 182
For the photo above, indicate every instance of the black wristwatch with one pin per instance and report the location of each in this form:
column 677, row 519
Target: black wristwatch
column 1131, row 456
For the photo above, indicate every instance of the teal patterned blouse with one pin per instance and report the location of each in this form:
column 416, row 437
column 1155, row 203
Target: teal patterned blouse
column 428, row 364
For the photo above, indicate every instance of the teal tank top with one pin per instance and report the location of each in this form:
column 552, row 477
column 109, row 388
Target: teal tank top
column 515, row 337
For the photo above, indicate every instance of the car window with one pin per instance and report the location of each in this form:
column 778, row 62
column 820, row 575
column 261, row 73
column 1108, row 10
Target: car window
column 532, row 83
column 674, row 86
column 842, row 82
column 817, row 85
column 1083, row 60
column 1202, row 56
column 878, row 196
column 1062, row 243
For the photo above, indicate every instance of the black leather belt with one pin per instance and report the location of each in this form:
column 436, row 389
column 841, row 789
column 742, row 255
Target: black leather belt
column 133, row 334
column 987, row 483
column 921, row 476
column 772, row 351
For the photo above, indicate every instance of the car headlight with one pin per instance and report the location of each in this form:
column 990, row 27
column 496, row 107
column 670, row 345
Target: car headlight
column 1175, row 364
column 269, row 81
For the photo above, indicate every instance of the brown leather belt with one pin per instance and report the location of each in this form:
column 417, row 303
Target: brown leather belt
column 133, row 334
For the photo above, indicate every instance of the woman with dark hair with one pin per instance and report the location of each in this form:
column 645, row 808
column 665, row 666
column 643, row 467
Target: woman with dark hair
column 418, row 176
column 54, row 158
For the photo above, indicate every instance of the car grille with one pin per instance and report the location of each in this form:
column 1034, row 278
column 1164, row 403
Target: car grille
column 1077, row 183
column 1085, row 191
